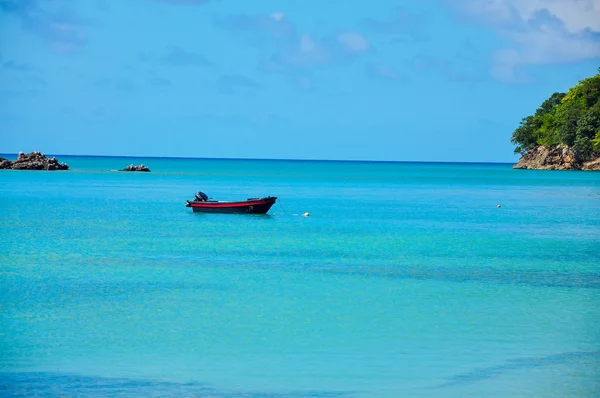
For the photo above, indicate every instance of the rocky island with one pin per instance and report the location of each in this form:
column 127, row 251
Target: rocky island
column 131, row 167
column 564, row 132
column 33, row 161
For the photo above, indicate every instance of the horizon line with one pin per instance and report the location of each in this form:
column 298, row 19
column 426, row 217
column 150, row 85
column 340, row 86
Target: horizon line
column 267, row 159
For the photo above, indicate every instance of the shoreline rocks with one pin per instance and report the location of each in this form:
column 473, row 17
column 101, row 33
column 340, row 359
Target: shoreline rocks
column 32, row 161
column 559, row 157
column 131, row 167
column 592, row 165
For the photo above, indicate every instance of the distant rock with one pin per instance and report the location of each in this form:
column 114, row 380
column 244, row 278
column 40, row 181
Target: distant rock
column 131, row 167
column 559, row 157
column 5, row 164
column 33, row 161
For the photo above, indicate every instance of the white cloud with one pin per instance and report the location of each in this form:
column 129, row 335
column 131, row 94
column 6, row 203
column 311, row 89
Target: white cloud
column 278, row 16
column 307, row 44
column 381, row 71
column 287, row 50
column 541, row 31
column 498, row 10
column 305, row 83
column 577, row 15
column 353, row 42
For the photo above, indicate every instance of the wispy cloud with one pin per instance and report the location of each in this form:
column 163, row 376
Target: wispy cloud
column 451, row 69
column 156, row 81
column 16, row 5
column 185, row 2
column 400, row 26
column 381, row 71
column 176, row 56
column 287, row 50
column 122, row 83
column 305, row 83
column 37, row 81
column 539, row 31
column 101, row 113
column 61, row 29
column 21, row 76
column 231, row 83
column 353, row 43
column 22, row 93
column 264, row 31
column 18, row 66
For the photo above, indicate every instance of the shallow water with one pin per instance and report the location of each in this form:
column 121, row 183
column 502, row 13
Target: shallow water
column 406, row 280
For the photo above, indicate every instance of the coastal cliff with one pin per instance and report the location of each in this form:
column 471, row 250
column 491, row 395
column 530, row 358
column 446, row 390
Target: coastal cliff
column 564, row 132
column 559, row 157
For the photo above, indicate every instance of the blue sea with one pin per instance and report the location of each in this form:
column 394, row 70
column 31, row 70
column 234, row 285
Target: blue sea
column 406, row 280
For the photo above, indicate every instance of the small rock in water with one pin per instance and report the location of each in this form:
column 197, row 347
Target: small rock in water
column 131, row 167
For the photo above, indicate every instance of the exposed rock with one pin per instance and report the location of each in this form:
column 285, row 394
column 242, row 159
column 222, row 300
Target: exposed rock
column 593, row 165
column 131, row 167
column 559, row 157
column 33, row 161
column 5, row 164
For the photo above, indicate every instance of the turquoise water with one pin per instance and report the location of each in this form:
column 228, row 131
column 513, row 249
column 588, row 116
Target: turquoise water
column 406, row 280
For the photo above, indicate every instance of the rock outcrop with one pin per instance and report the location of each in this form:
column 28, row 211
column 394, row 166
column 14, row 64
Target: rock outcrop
column 131, row 167
column 593, row 165
column 33, row 161
column 559, row 157
column 5, row 164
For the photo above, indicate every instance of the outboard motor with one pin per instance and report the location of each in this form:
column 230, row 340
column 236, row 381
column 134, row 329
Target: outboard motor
column 201, row 196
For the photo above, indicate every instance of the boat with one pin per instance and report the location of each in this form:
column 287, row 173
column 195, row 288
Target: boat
column 202, row 204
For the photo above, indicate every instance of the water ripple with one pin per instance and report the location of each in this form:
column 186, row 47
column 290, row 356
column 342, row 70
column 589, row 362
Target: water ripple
column 566, row 358
column 48, row 384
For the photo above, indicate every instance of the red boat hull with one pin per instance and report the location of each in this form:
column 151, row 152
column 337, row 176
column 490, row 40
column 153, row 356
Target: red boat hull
column 250, row 206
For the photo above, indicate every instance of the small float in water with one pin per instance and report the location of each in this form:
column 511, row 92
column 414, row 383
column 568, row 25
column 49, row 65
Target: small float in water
column 202, row 204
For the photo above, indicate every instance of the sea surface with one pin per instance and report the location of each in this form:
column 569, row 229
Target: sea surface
column 406, row 280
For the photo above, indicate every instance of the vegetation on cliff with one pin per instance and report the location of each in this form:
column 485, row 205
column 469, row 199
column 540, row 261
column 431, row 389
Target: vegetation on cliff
column 571, row 119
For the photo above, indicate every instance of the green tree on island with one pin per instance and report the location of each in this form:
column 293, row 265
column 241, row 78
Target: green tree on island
column 571, row 119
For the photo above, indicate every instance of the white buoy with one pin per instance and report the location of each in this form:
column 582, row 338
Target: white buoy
column 498, row 206
column 307, row 214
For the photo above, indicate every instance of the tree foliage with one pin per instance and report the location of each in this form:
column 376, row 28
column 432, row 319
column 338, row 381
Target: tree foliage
column 571, row 118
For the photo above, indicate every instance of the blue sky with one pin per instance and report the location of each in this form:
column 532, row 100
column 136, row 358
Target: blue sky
column 430, row 80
